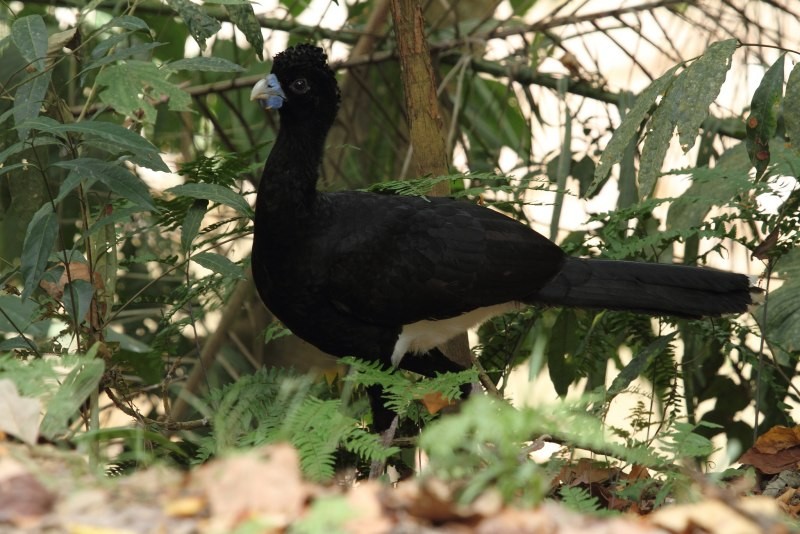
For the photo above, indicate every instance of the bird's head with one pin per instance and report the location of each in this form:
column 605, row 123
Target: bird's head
column 300, row 86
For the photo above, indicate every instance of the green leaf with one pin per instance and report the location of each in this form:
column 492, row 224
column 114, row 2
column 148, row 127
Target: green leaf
column 39, row 240
column 127, row 82
column 129, row 22
column 656, row 144
column 561, row 347
column 200, row 25
column 243, row 16
column 118, row 138
column 77, row 299
column 28, row 100
column 763, row 119
column 191, row 223
column 120, row 53
column 492, row 121
column 638, row 364
column 205, row 64
column 214, row 193
column 219, row 264
column 791, row 107
column 783, row 317
column 716, row 186
column 118, row 179
column 76, row 388
column 629, row 126
column 30, row 35
column 685, row 104
column 295, row 7
column 701, row 82
column 19, row 316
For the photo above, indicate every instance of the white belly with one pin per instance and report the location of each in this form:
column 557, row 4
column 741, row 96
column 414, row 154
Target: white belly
column 425, row 335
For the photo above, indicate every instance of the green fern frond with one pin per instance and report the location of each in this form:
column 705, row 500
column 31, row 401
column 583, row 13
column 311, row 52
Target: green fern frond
column 580, row 500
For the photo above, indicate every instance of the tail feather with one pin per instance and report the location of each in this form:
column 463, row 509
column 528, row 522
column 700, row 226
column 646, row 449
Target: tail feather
column 655, row 289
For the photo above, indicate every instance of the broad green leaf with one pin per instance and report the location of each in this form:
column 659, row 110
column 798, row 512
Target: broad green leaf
column 108, row 43
column 39, row 240
column 28, row 100
column 116, row 137
column 126, row 342
column 206, row 64
column 656, row 144
column 19, row 146
column 118, row 179
column 74, row 391
column 19, row 315
column 701, row 82
column 791, row 107
column 129, row 22
column 214, row 193
column 77, row 300
column 716, row 186
column 126, row 83
column 201, row 26
column 191, row 223
column 560, row 351
column 640, row 362
column 626, row 131
column 16, row 343
column 219, row 264
column 30, row 35
column 783, row 322
column 72, row 181
column 685, row 104
column 243, row 16
column 122, row 52
column 763, row 119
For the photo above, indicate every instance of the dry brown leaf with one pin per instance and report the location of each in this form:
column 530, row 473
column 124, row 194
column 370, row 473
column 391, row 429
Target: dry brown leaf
column 435, row 402
column 776, row 450
column 76, row 271
column 19, row 416
column 587, row 471
column 22, row 497
column 185, row 507
column 716, row 517
column 263, row 483
column 365, row 500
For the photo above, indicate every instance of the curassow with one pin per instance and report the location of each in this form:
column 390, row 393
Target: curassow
column 390, row 278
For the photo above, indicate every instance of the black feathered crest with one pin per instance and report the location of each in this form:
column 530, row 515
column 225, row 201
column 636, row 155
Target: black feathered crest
column 304, row 56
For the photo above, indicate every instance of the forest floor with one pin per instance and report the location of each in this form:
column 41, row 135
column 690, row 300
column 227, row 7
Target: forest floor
column 44, row 490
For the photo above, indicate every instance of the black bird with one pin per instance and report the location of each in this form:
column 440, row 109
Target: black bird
column 389, row 278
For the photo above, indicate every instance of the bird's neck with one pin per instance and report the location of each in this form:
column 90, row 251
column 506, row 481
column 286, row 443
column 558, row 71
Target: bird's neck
column 287, row 192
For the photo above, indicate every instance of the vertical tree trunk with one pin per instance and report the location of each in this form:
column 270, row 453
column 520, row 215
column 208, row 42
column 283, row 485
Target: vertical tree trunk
column 426, row 127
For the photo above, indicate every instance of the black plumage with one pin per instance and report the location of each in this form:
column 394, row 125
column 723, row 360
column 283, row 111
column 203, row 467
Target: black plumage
column 379, row 276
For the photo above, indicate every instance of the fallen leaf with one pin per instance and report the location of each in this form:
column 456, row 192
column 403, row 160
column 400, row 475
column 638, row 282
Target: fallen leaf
column 76, row 271
column 19, row 416
column 715, row 517
column 23, row 498
column 264, row 483
column 774, row 451
column 435, row 402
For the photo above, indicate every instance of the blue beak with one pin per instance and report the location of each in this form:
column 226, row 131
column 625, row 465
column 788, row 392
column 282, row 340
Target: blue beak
column 268, row 92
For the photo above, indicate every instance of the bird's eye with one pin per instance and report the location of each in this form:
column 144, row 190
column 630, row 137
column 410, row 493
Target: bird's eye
column 300, row 86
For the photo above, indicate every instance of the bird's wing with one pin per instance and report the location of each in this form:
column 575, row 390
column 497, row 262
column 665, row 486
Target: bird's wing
column 397, row 260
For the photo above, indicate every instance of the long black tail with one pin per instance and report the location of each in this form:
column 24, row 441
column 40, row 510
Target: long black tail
column 652, row 288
